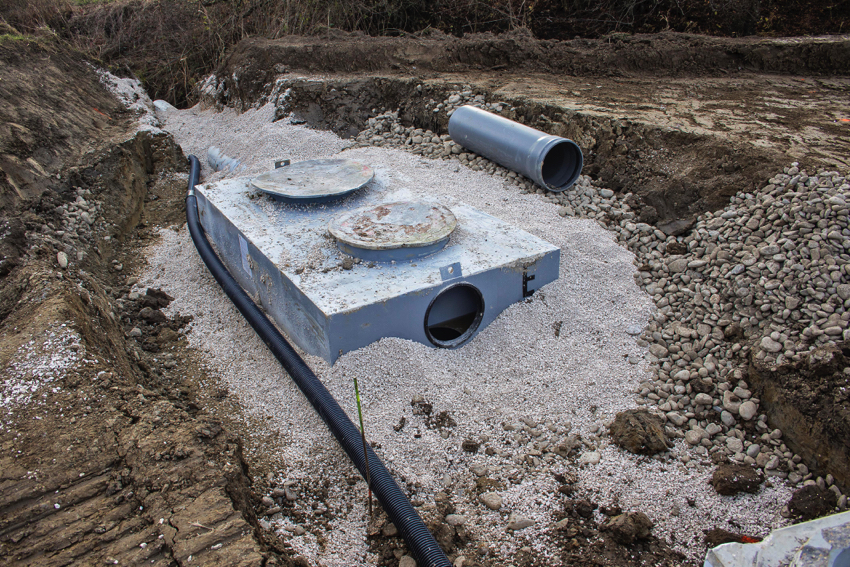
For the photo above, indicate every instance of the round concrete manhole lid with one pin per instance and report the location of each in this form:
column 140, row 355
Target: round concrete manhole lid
column 416, row 226
column 315, row 180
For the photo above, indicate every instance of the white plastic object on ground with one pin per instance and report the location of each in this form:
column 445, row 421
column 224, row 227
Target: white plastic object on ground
column 824, row 542
column 219, row 161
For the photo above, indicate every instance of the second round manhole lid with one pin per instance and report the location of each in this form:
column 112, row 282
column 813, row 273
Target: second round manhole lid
column 315, row 180
column 393, row 231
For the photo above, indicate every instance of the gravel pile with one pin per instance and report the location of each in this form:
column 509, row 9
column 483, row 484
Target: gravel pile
column 80, row 219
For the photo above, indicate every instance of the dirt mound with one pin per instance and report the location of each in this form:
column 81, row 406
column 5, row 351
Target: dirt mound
column 682, row 145
column 729, row 479
column 627, row 538
column 812, row 502
column 106, row 457
column 36, row 144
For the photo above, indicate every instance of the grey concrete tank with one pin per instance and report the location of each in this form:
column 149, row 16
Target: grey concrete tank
column 336, row 275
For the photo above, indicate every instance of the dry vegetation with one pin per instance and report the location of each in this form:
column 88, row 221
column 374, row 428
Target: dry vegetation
column 169, row 44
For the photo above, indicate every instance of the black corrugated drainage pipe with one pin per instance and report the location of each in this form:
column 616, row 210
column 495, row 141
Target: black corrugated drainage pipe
column 422, row 544
column 553, row 162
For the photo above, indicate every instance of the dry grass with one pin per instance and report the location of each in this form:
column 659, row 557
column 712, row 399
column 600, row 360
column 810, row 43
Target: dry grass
column 170, row 44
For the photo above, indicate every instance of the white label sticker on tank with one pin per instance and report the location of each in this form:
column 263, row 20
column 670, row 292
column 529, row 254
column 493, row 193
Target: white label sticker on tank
column 243, row 247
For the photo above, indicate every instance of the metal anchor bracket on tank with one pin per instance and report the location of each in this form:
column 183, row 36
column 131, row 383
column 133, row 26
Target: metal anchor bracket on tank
column 347, row 265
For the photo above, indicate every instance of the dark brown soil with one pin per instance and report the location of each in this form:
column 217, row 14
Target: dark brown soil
column 662, row 55
column 811, row 502
column 621, row 539
column 810, row 403
column 729, row 479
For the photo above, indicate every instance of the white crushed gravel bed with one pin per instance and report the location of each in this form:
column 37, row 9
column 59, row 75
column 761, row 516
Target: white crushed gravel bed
column 516, row 368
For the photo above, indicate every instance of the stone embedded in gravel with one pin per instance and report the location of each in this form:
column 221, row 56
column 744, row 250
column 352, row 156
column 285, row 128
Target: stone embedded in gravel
column 629, row 527
column 517, row 522
column 677, row 266
column 694, row 436
column 713, row 429
column 683, row 375
column 770, row 345
column 731, row 402
column 62, row 259
column 730, row 479
column 703, row 399
column 748, row 410
column 590, row 458
column 407, row 561
column 639, row 432
column 491, row 500
column 678, row 419
column 455, row 520
column 734, row 444
column 658, row 351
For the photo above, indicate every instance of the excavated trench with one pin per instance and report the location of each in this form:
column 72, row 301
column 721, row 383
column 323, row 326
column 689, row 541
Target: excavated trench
column 668, row 175
column 673, row 175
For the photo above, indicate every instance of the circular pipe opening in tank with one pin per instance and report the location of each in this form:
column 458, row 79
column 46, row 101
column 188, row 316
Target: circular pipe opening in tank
column 454, row 315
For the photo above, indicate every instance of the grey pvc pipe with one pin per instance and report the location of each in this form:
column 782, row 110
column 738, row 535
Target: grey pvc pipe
column 553, row 162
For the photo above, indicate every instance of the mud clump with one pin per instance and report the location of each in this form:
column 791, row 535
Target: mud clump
column 629, row 527
column 732, row 479
column 719, row 536
column 811, row 502
column 639, row 432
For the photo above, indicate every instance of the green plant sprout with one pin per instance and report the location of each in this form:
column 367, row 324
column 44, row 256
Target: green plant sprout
column 363, row 437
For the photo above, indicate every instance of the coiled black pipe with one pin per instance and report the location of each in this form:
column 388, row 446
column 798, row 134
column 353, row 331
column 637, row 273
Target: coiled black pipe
column 420, row 541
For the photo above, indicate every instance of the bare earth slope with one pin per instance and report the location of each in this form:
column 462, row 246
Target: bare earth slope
column 104, row 460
